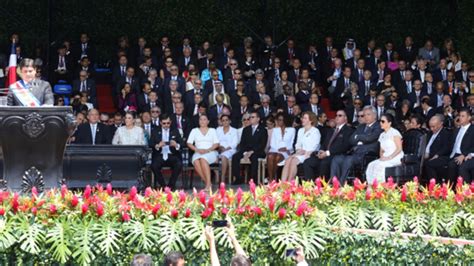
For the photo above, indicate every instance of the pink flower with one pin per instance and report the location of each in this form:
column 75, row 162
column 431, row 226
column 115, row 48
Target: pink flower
column 335, row 183
column 34, row 211
column 252, row 188
column 210, row 203
column 459, row 183
column 271, row 203
column 2, row 211
column 390, row 183
column 52, row 208
column 34, row 192
column 174, row 213
column 182, row 197
column 459, row 198
column 222, row 190
column 224, row 211
column 319, row 184
column 74, row 201
column 432, row 185
column 84, row 208
column 64, row 191
column 368, row 195
column 281, row 213
column 133, row 193
column 87, row 192
column 15, row 203
column 206, row 213
column 99, row 209
column 472, row 187
column 257, row 210
column 125, row 217
column 358, row 185
column 444, row 191
column 108, row 188
column 375, row 184
column 301, row 208
column 148, row 192
column 239, row 196
column 404, row 193
column 156, row 208
column 202, row 197
column 351, row 195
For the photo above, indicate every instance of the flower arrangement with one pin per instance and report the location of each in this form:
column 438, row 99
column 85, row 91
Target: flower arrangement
column 101, row 226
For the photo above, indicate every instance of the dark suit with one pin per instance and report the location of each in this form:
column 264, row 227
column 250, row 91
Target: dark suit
column 144, row 104
column 413, row 98
column 250, row 142
column 467, row 147
column 302, row 97
column 83, row 134
column 214, row 114
column 408, row 54
column 185, row 125
column 441, row 147
column 174, row 160
column 336, row 145
column 90, row 89
column 363, row 141
column 309, row 108
column 39, row 88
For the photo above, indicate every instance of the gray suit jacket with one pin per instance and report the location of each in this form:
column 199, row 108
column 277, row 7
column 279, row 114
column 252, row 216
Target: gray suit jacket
column 369, row 140
column 425, row 54
column 41, row 90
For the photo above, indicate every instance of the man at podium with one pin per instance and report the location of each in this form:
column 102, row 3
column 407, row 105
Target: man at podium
column 29, row 91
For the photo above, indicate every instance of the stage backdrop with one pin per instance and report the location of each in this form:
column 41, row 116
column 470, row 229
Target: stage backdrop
column 305, row 20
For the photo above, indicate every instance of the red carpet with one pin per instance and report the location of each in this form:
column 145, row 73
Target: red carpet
column 104, row 98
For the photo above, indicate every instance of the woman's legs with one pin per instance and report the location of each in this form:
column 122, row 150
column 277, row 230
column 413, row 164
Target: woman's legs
column 206, row 170
column 271, row 166
column 286, row 169
column 197, row 167
column 293, row 168
column 225, row 167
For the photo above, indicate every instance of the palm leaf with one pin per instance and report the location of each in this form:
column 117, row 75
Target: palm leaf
column 108, row 237
column 400, row 220
column 31, row 236
column 362, row 219
column 194, row 229
column 342, row 215
column 436, row 223
column 59, row 239
column 454, row 223
column 171, row 235
column 83, row 243
column 313, row 238
column 285, row 236
column 382, row 219
column 7, row 235
column 142, row 235
column 418, row 222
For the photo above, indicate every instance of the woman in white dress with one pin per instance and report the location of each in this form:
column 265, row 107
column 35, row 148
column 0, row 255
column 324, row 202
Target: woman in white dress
column 281, row 144
column 228, row 141
column 307, row 141
column 391, row 151
column 129, row 134
column 204, row 142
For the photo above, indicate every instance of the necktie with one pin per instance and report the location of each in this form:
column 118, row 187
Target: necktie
column 361, row 75
column 93, row 132
column 122, row 71
column 253, row 130
column 367, row 87
column 315, row 109
column 83, row 86
column 195, row 109
column 265, row 111
column 290, row 110
column 444, row 74
column 61, row 62
column 178, row 120
column 333, row 137
column 166, row 149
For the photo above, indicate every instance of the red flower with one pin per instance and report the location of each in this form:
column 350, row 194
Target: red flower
column 257, row 210
column 63, row 191
column 133, row 193
column 459, row 183
column 301, row 208
column 358, row 185
column 2, row 211
column 472, row 187
column 87, row 192
column 420, row 196
column 202, row 197
column 53, row 209
column 108, row 188
column 206, row 213
column 34, row 211
column 15, row 203
column 174, row 213
column 444, row 191
column 99, row 209
column 187, row 214
column 335, row 183
column 74, row 201
column 281, row 213
column 125, row 217
column 375, row 184
column 351, row 195
column 390, row 183
column 319, row 184
column 222, row 190
column 240, row 210
column 404, row 193
column 156, row 209
column 368, row 195
column 84, row 208
column 224, row 211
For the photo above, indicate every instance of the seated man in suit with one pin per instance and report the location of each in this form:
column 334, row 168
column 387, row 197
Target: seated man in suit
column 252, row 146
column 29, row 91
column 87, row 85
column 363, row 141
column 166, row 143
column 437, row 148
column 337, row 144
column 463, row 146
column 93, row 132
column 265, row 110
column 215, row 110
column 180, row 121
column 313, row 105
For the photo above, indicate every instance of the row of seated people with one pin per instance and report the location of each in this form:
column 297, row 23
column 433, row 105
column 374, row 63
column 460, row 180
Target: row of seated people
column 319, row 149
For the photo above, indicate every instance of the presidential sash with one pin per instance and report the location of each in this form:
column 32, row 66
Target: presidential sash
column 24, row 95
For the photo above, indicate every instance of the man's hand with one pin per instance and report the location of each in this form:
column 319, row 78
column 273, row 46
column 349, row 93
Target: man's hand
column 434, row 157
column 459, row 159
column 469, row 157
column 173, row 143
column 230, row 229
column 283, row 149
column 299, row 257
column 322, row 155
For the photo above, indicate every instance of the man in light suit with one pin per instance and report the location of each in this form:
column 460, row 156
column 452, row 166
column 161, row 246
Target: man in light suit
column 39, row 89
column 430, row 54
column 93, row 132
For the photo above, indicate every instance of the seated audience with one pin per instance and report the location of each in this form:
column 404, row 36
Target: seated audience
column 281, row 138
column 92, row 132
column 129, row 134
column 228, row 142
column 463, row 141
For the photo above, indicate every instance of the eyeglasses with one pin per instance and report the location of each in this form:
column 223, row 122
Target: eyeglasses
column 246, row 119
column 165, row 123
column 340, row 115
column 471, row 76
column 215, row 75
column 233, row 64
column 193, row 74
column 383, row 121
column 61, row 100
column 360, row 116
